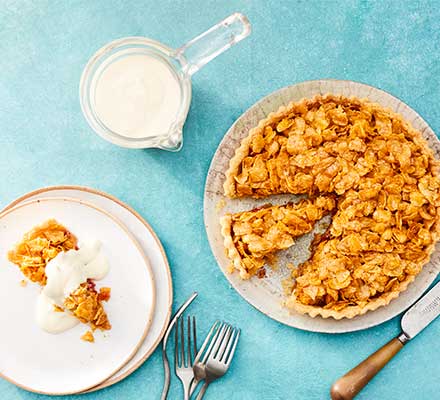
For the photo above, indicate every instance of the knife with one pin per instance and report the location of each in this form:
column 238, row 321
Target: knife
column 415, row 319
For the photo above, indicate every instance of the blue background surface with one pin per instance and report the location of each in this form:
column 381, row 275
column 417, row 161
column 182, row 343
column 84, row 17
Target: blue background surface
column 44, row 140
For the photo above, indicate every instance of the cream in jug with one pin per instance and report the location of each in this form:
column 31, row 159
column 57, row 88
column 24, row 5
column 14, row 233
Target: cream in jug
column 138, row 96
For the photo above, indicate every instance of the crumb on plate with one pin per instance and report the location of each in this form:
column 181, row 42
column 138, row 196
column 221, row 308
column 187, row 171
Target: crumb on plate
column 88, row 337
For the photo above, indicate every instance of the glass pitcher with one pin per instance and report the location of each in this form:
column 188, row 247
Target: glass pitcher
column 182, row 62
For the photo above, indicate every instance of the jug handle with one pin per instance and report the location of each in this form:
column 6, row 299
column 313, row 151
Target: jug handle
column 202, row 49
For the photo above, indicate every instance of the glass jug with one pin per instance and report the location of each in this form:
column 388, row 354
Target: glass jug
column 182, row 63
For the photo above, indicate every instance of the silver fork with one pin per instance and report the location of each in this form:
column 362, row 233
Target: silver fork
column 184, row 353
column 215, row 362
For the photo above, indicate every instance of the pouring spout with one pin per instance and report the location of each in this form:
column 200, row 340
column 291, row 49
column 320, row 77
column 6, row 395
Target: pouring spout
column 174, row 141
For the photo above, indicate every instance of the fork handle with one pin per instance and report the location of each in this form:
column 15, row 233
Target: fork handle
column 202, row 391
column 186, row 389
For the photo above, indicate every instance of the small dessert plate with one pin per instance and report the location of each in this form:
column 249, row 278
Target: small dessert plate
column 267, row 294
column 153, row 250
column 63, row 363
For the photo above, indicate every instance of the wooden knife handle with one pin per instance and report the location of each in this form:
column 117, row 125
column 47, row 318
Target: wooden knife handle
column 352, row 382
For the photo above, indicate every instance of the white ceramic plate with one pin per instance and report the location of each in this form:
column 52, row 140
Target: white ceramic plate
column 63, row 363
column 266, row 294
column 151, row 247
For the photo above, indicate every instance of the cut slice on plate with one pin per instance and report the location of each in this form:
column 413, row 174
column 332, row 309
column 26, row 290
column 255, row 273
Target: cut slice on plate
column 40, row 245
column 85, row 303
column 44, row 244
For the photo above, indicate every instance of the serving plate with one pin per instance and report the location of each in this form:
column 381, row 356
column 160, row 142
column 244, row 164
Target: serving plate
column 267, row 294
column 63, row 363
column 153, row 250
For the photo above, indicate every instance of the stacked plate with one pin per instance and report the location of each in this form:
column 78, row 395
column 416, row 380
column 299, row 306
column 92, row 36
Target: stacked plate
column 139, row 309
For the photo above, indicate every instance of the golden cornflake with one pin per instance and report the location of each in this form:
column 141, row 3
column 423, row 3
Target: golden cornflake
column 104, row 294
column 88, row 337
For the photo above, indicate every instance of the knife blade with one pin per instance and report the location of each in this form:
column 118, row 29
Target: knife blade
column 415, row 319
column 421, row 314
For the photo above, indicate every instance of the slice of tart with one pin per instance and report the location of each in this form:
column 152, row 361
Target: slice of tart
column 86, row 304
column 252, row 238
column 40, row 245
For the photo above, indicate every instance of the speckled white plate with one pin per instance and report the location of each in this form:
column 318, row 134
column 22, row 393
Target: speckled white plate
column 63, row 363
column 266, row 294
column 151, row 247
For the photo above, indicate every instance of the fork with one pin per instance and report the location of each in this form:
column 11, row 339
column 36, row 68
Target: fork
column 213, row 364
column 171, row 326
column 184, row 353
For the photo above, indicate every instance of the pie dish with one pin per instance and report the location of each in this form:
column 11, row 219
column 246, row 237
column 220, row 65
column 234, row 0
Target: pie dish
column 385, row 180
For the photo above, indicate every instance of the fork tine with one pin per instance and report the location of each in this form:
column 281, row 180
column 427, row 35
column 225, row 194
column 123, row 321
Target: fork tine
column 194, row 338
column 205, row 343
column 188, row 356
column 228, row 347
column 234, row 346
column 182, row 344
column 224, row 343
column 176, row 344
column 213, row 341
column 177, row 349
column 219, row 340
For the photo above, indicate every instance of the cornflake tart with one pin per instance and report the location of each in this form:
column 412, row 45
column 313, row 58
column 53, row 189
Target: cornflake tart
column 363, row 163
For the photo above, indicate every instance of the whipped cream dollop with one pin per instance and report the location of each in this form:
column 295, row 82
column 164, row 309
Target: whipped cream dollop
column 65, row 273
